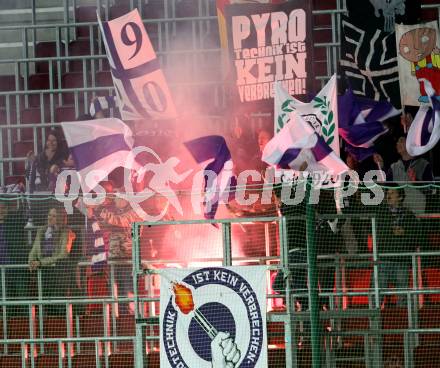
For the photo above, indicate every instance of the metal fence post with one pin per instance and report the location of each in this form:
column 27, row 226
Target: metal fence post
column 227, row 251
column 313, row 280
column 289, row 329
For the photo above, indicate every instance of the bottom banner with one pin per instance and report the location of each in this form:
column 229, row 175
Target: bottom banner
column 213, row 317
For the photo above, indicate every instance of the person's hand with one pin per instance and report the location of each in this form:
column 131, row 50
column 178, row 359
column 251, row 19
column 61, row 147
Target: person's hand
column 378, row 160
column 30, row 156
column 98, row 114
column 54, row 169
column 224, row 351
column 33, row 265
column 303, row 166
column 406, row 120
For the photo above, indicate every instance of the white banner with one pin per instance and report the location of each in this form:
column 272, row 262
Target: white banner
column 138, row 79
column 321, row 113
column 213, row 317
column 418, row 57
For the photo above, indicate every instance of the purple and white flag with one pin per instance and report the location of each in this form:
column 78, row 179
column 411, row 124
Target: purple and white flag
column 298, row 143
column 102, row 103
column 214, row 149
column 98, row 147
column 138, row 79
column 361, row 120
column 424, row 132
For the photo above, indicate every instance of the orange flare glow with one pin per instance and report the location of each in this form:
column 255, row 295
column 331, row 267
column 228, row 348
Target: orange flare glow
column 183, row 298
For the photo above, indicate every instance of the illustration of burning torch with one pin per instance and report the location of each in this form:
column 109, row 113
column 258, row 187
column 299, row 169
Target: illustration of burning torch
column 184, row 301
column 225, row 352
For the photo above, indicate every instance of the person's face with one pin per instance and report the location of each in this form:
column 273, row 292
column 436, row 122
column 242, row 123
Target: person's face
column 401, row 146
column 52, row 217
column 51, row 143
column 263, row 138
column 393, row 198
column 417, row 44
column 69, row 162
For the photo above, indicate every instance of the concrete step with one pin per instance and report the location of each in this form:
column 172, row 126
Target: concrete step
column 23, row 4
column 42, row 34
column 24, row 16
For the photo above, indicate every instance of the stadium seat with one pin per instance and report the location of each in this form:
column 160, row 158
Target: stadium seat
column 65, row 113
column 426, row 356
column 4, row 116
column 72, row 80
column 7, row 83
column 187, row 8
column 104, row 79
column 122, row 360
column 40, row 82
column 429, row 317
column 21, row 148
column 117, row 11
column 86, row 14
column 82, row 361
column 275, row 333
column 155, row 9
column 17, row 328
column 394, row 318
column 153, row 360
column 10, row 361
column 32, row 115
column 89, row 326
column 354, row 324
column 80, row 47
column 48, row 361
column 47, row 49
column 358, row 280
column 97, row 287
column 53, row 327
column 431, row 277
column 125, row 326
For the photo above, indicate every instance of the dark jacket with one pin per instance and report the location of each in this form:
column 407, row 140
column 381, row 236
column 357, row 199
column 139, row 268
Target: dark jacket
column 388, row 240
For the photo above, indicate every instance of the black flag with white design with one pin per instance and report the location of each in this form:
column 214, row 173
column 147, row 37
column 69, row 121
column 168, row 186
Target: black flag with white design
column 369, row 62
column 384, row 14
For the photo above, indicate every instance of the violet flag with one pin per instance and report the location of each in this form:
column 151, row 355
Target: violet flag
column 217, row 187
column 361, row 123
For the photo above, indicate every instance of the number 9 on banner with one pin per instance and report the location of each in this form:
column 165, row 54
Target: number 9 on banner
column 129, row 41
column 141, row 86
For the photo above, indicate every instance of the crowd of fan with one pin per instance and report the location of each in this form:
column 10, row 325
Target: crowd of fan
column 57, row 241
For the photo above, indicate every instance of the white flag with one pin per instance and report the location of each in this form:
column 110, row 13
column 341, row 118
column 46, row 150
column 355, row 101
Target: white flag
column 321, row 113
column 98, row 147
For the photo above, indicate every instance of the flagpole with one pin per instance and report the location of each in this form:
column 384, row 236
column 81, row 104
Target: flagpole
column 313, row 279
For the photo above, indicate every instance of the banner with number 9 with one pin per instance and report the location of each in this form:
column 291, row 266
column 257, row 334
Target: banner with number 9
column 140, row 84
